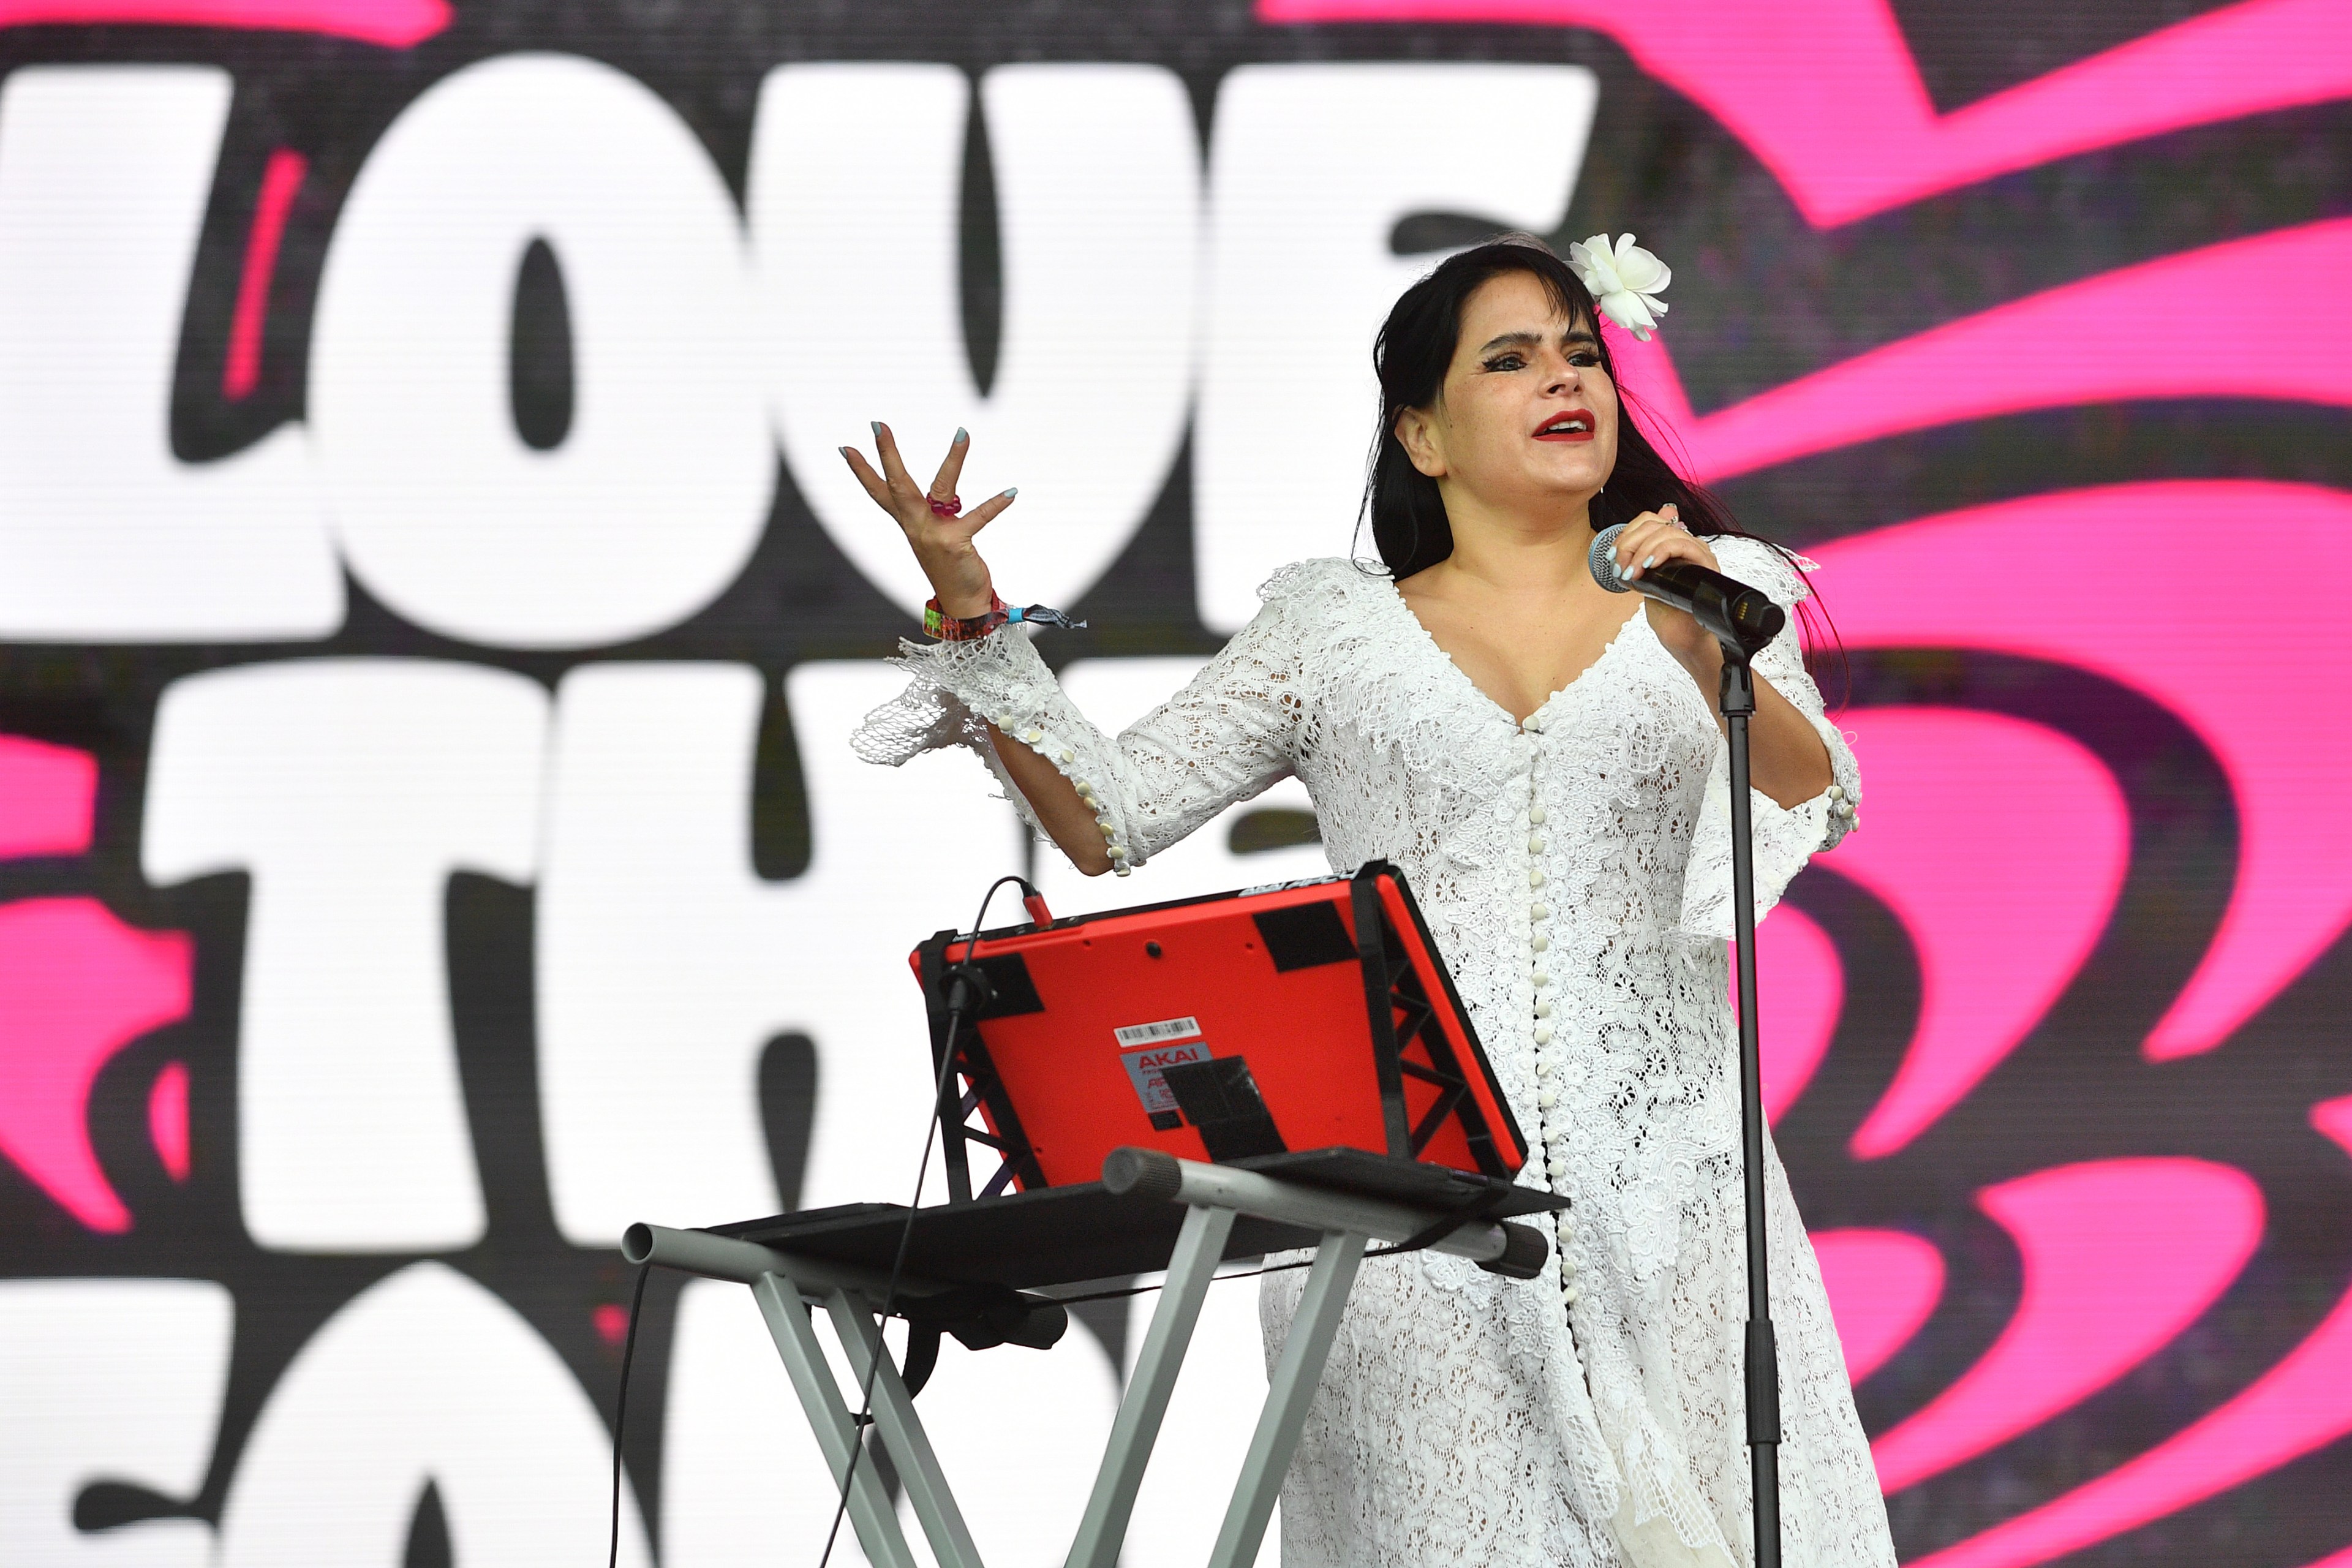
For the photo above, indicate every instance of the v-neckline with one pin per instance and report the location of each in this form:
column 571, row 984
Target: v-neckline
column 1437, row 648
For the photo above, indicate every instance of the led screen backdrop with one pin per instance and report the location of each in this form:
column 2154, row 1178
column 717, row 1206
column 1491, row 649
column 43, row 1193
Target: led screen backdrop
column 434, row 613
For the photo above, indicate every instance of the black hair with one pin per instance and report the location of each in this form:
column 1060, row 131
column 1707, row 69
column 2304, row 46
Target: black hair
column 1411, row 356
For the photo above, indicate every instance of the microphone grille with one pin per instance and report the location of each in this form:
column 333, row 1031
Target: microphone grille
column 1603, row 560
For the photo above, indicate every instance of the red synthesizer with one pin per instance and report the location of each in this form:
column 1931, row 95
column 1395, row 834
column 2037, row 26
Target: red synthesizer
column 1303, row 1016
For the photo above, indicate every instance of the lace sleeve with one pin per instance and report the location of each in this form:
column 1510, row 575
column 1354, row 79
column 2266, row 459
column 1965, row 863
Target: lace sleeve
column 1786, row 836
column 1225, row 737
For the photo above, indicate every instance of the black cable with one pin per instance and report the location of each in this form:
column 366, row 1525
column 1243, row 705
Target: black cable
column 621, row 1406
column 1245, row 1274
column 922, row 1172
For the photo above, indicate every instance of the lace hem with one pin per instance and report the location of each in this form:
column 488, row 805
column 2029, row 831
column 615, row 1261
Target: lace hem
column 960, row 687
column 1786, row 839
column 1786, row 836
column 1228, row 734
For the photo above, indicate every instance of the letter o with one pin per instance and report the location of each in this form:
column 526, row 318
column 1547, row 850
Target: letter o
column 653, row 502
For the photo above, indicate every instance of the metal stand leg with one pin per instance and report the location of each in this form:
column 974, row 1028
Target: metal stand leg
column 902, row 1432
column 1213, row 1195
column 1199, row 1246
column 828, row 1417
column 1289, row 1391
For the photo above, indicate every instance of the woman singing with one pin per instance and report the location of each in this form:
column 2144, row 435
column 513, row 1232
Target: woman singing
column 1543, row 760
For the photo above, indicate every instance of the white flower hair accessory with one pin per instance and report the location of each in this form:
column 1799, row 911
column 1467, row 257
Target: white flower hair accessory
column 1625, row 281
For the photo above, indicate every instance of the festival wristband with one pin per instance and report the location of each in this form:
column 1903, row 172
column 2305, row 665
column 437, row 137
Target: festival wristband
column 969, row 628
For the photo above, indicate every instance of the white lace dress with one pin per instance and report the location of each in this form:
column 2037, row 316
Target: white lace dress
column 1576, row 872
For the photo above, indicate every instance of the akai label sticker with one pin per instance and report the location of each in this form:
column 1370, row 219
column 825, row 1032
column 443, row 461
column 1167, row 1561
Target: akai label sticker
column 1144, row 1070
column 1157, row 1033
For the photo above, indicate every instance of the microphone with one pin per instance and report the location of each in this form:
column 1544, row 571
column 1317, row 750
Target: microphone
column 1741, row 617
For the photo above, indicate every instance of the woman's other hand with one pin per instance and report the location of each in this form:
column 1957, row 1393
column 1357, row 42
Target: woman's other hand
column 943, row 545
column 1651, row 540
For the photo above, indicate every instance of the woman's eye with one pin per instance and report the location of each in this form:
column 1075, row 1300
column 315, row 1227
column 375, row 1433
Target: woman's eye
column 1506, row 361
column 1584, row 359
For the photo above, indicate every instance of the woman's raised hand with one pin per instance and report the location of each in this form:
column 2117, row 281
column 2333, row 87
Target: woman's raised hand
column 942, row 544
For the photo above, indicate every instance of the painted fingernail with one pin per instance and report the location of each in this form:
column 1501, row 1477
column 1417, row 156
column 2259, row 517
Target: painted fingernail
column 961, row 436
column 1010, row 491
column 843, row 450
column 878, row 429
column 1648, row 561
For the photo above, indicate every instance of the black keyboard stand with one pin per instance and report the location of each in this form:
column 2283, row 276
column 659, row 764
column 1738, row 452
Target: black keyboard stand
column 993, row 1262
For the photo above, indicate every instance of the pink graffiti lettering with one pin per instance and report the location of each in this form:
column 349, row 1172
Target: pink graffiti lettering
column 1828, row 97
column 75, row 986
column 167, row 1119
column 393, row 23
column 2002, row 904
column 49, row 798
column 1883, row 1285
column 282, row 177
column 2119, row 1256
column 1999, row 361
column 2299, row 1404
column 2005, row 578
column 1801, row 990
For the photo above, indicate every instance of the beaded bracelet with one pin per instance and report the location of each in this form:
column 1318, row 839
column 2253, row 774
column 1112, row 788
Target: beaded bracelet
column 971, row 628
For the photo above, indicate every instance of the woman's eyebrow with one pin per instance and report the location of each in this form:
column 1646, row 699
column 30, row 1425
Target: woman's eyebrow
column 1526, row 339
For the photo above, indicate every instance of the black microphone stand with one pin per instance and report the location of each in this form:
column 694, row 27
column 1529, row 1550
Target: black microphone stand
column 1743, row 621
column 1738, row 701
